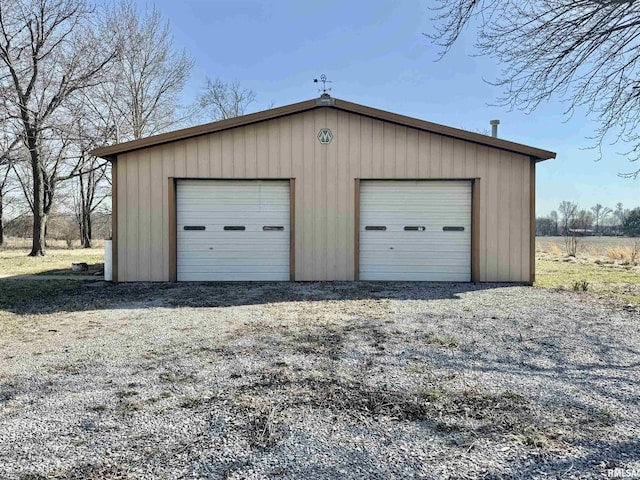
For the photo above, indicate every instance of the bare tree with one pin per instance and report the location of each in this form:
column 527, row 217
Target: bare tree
column 90, row 193
column 48, row 51
column 583, row 221
column 147, row 77
column 222, row 100
column 568, row 211
column 544, row 226
column 8, row 144
column 620, row 213
column 60, row 162
column 139, row 97
column 583, row 51
column 600, row 212
column 5, row 186
column 554, row 219
column 90, row 186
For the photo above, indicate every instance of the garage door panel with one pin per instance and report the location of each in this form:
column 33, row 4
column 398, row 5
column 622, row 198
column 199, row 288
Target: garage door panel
column 196, row 258
column 236, row 207
column 411, row 249
column 415, row 277
column 223, row 216
column 427, row 268
column 258, row 276
column 254, row 238
column 238, row 269
column 414, row 258
column 233, row 255
column 240, row 246
column 430, row 253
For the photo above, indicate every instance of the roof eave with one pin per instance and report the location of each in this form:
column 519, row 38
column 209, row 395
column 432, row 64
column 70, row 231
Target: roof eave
column 112, row 151
column 533, row 152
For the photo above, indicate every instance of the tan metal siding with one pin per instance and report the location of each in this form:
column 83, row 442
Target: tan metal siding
column 482, row 157
column 166, row 156
column 157, row 239
column 324, row 196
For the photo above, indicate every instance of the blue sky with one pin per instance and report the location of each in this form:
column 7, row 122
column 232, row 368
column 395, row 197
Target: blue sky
column 376, row 55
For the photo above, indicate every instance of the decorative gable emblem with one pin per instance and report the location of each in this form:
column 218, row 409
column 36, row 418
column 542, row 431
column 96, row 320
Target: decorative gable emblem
column 325, row 136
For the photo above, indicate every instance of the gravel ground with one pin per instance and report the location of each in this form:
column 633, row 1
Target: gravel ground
column 318, row 381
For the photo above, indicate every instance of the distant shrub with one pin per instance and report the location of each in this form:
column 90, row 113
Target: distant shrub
column 571, row 244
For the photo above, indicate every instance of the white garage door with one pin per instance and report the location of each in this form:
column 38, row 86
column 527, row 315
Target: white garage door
column 232, row 230
column 415, row 230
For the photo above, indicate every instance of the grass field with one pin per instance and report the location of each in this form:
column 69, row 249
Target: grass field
column 57, row 261
column 604, row 249
column 605, row 266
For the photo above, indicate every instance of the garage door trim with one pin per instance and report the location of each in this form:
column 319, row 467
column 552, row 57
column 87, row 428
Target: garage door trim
column 475, row 219
column 173, row 220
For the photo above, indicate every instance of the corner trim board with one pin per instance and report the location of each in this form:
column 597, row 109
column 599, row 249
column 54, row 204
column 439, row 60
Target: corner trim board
column 532, row 223
column 114, row 220
column 475, row 230
column 292, row 229
column 173, row 231
column 356, row 232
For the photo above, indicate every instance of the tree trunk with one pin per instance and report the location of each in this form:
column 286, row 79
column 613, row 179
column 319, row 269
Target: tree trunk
column 86, row 229
column 39, row 215
column 38, row 239
column 1, row 222
column 85, row 210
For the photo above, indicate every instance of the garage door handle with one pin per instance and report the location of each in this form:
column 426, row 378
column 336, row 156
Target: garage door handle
column 234, row 227
column 195, row 227
column 268, row 228
column 375, row 227
column 414, row 229
column 453, row 229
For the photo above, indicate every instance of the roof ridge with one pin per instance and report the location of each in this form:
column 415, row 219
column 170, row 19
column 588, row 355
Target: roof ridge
column 112, row 151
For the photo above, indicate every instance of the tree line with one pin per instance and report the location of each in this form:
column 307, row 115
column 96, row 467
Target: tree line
column 76, row 75
column 570, row 220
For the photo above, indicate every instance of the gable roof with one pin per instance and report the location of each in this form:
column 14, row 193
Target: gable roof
column 112, row 151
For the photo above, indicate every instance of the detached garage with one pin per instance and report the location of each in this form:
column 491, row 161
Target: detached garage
column 323, row 190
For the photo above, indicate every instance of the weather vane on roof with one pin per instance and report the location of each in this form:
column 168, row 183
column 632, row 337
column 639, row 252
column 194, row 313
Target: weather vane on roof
column 323, row 79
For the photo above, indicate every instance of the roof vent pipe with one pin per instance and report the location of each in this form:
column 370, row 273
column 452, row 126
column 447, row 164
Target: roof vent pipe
column 494, row 127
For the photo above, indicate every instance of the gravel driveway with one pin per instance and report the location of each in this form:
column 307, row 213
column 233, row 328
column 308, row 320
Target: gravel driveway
column 318, row 381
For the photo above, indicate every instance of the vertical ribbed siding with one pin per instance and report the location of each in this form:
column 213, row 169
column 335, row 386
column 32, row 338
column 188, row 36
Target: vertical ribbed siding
column 288, row 148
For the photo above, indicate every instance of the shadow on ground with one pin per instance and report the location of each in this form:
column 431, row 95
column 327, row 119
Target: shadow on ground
column 31, row 296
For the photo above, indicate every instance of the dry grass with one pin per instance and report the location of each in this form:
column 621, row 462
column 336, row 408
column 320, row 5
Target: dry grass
column 555, row 249
column 618, row 253
column 17, row 243
column 14, row 259
column 629, row 254
column 605, row 266
column 603, row 249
